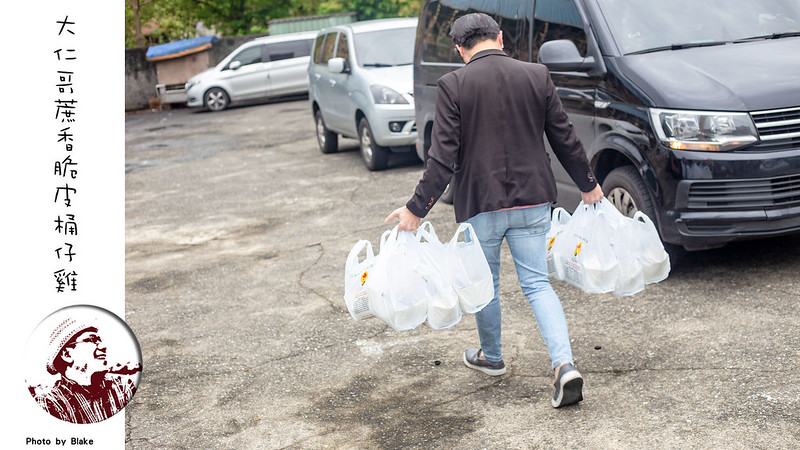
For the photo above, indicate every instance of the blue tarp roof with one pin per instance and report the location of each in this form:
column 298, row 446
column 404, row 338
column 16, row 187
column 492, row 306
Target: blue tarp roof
column 180, row 48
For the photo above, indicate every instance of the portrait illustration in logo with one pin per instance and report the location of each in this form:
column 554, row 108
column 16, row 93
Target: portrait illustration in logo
column 83, row 364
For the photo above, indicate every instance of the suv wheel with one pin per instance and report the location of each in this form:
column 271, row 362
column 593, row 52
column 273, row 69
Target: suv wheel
column 216, row 99
column 328, row 141
column 375, row 156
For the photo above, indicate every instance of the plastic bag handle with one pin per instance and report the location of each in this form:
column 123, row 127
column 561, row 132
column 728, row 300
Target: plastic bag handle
column 469, row 233
column 389, row 236
column 561, row 215
column 352, row 257
column 426, row 231
column 606, row 206
column 427, row 226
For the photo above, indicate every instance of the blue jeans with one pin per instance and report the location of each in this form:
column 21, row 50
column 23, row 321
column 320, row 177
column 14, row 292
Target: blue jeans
column 524, row 230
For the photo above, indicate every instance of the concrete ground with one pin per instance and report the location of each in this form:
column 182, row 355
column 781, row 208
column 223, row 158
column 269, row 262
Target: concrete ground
column 237, row 230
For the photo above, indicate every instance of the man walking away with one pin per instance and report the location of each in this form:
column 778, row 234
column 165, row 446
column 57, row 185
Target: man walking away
column 488, row 137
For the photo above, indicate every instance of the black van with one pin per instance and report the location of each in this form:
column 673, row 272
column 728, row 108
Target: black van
column 689, row 110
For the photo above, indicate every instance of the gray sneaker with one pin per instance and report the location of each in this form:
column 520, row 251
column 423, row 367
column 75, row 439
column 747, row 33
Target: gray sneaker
column 472, row 360
column 569, row 387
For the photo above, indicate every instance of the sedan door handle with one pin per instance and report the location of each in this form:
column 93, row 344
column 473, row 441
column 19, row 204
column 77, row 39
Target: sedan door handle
column 332, row 82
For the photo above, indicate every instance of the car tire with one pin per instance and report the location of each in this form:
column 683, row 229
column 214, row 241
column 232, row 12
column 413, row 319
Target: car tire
column 216, row 99
column 625, row 190
column 328, row 140
column 375, row 156
column 447, row 195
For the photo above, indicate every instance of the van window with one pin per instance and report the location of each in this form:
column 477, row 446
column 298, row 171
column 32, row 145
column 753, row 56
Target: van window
column 288, row 50
column 250, row 55
column 511, row 15
column 638, row 28
column 394, row 47
column 341, row 49
column 327, row 48
column 558, row 19
column 320, row 42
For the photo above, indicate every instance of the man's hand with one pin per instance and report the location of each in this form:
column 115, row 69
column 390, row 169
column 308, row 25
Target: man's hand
column 408, row 221
column 594, row 196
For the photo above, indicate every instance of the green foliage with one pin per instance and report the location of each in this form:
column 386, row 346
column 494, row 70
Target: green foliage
column 170, row 20
column 372, row 9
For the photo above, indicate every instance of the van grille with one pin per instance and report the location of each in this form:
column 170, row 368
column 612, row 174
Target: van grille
column 745, row 194
column 778, row 124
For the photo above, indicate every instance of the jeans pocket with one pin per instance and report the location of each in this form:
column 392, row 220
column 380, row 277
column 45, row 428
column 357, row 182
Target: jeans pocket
column 537, row 219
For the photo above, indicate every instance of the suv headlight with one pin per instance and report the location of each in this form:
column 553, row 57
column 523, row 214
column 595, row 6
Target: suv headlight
column 703, row 130
column 384, row 95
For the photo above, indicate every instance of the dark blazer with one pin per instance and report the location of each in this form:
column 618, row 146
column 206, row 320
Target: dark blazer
column 491, row 119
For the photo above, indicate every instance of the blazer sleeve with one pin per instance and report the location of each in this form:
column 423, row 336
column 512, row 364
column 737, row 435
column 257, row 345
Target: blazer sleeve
column 443, row 154
column 565, row 142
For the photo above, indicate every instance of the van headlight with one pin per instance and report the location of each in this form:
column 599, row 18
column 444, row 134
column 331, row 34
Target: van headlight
column 386, row 96
column 190, row 84
column 703, row 130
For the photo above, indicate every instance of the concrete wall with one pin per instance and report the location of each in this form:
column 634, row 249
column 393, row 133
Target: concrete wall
column 140, row 79
column 141, row 76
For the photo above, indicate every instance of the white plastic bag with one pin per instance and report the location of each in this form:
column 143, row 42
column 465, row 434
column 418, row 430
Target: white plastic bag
column 469, row 271
column 444, row 308
column 397, row 292
column 652, row 257
column 463, row 264
column 418, row 278
column 629, row 275
column 558, row 223
column 637, row 245
column 356, row 274
column 600, row 250
column 583, row 253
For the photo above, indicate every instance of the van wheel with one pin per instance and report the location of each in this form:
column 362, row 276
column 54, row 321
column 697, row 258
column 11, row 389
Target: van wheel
column 328, row 141
column 447, row 195
column 375, row 156
column 216, row 99
column 625, row 190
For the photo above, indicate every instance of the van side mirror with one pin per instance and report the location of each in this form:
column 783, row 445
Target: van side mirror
column 337, row 65
column 562, row 56
column 235, row 65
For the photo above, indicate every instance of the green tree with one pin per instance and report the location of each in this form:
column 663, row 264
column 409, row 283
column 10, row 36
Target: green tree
column 177, row 19
column 133, row 21
column 172, row 20
column 372, row 9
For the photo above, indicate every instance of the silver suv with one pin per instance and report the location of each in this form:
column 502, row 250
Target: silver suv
column 265, row 67
column 360, row 86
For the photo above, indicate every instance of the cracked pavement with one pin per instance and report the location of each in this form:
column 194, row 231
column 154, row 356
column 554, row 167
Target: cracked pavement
column 237, row 231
